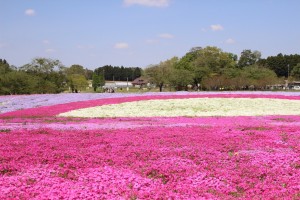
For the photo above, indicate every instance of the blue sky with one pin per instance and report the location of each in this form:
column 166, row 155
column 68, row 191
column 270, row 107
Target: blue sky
column 138, row 33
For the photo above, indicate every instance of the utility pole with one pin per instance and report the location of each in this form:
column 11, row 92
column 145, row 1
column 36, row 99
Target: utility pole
column 288, row 71
column 287, row 82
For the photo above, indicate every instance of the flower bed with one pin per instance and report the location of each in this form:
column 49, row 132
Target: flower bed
column 180, row 157
column 192, row 107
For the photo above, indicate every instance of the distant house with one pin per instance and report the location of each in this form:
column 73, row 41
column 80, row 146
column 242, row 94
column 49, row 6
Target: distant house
column 295, row 85
column 140, row 82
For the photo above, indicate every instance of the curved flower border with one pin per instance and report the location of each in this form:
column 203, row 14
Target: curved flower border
column 54, row 110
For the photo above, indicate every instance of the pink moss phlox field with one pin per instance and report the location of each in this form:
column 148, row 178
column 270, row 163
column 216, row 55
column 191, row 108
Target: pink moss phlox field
column 257, row 160
column 60, row 108
column 43, row 156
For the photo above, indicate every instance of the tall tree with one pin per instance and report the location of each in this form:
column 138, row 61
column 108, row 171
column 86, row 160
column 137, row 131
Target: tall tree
column 75, row 69
column 160, row 74
column 281, row 64
column 137, row 72
column 49, row 74
column 186, row 62
column 209, row 61
column 42, row 65
column 117, row 73
column 88, row 74
column 76, row 77
column 18, row 82
column 95, row 81
column 260, row 77
column 278, row 64
column 296, row 72
column 180, row 78
column 77, row 82
column 98, row 81
column 4, row 67
column 248, row 58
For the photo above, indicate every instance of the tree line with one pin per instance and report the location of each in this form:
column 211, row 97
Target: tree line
column 116, row 73
column 208, row 68
column 43, row 75
column 211, row 68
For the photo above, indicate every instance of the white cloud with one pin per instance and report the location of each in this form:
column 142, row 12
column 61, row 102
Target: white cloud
column 30, row 12
column 230, row 41
column 216, row 27
column 150, row 3
column 121, row 45
column 166, row 36
column 50, row 50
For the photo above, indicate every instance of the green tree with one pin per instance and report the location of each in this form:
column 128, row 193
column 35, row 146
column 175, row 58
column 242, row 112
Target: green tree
column 160, row 74
column 97, row 81
column 75, row 69
column 4, row 67
column 186, row 62
column 119, row 73
column 248, row 58
column 88, row 74
column 281, row 64
column 180, row 78
column 236, row 79
column 278, row 64
column 296, row 72
column 42, row 65
column 76, row 77
column 18, row 82
column 48, row 72
column 77, row 82
column 211, row 61
column 58, row 80
column 260, row 77
column 137, row 72
column 156, row 75
column 215, row 82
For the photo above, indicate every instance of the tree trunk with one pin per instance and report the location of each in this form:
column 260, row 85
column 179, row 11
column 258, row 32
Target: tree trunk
column 160, row 87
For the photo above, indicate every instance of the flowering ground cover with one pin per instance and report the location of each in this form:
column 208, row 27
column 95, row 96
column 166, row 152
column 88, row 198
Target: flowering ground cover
column 192, row 107
column 46, row 154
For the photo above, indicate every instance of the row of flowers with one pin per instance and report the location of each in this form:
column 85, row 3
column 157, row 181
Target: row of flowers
column 20, row 102
column 59, row 108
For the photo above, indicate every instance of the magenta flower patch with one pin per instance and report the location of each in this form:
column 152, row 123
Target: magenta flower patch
column 46, row 156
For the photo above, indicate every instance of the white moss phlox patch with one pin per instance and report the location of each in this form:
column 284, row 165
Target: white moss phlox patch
column 193, row 107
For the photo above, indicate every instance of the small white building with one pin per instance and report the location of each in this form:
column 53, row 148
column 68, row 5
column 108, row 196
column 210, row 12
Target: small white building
column 117, row 84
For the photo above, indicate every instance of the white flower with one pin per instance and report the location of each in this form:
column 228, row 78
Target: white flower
column 193, row 107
